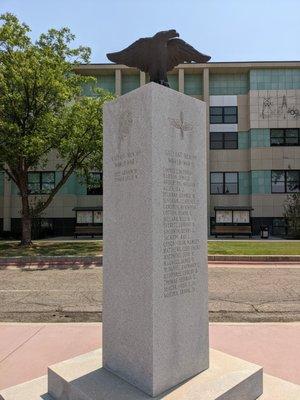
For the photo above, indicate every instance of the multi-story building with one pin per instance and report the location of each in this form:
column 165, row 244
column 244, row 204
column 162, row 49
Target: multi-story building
column 253, row 141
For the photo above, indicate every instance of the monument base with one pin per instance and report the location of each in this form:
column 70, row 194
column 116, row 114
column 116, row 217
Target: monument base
column 83, row 378
column 274, row 388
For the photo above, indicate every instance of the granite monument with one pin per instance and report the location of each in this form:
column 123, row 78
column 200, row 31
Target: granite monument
column 155, row 316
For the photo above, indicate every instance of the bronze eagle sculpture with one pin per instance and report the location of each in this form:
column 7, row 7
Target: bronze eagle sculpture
column 158, row 54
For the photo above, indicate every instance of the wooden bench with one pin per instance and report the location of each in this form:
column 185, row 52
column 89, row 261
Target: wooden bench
column 233, row 230
column 86, row 230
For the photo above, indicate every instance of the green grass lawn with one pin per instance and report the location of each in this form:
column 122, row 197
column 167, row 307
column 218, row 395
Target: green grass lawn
column 254, row 248
column 94, row 247
column 45, row 248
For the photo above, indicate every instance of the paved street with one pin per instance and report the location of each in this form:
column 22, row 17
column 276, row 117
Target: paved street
column 235, row 294
column 254, row 294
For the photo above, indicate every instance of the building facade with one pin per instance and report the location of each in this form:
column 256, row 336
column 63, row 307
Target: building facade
column 253, row 143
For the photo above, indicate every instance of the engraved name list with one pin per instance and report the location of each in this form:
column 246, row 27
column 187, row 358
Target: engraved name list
column 180, row 244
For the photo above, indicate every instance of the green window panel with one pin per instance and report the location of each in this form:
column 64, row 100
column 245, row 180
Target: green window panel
column 70, row 186
column 244, row 182
column 243, row 140
column 130, row 82
column 275, row 79
column 228, row 84
column 261, row 182
column 193, row 84
column 1, row 183
column 73, row 185
column 106, row 82
column 173, row 81
column 87, row 90
column 80, row 188
column 14, row 189
column 260, row 138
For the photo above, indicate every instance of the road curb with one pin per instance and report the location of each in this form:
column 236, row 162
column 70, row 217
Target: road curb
column 244, row 258
column 46, row 262
column 61, row 262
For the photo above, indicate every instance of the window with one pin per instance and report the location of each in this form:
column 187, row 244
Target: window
column 286, row 181
column 285, row 137
column 224, row 182
column 223, row 115
column 96, row 185
column 223, row 140
column 41, row 182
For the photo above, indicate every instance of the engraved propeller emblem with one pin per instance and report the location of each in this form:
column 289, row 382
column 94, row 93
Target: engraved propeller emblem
column 125, row 123
column 181, row 125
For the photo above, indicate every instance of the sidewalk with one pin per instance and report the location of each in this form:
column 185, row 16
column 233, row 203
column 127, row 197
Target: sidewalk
column 26, row 350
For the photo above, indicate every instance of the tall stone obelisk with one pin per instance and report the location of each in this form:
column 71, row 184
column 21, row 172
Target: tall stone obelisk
column 155, row 309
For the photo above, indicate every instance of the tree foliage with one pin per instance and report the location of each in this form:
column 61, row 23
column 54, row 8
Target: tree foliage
column 42, row 110
column 292, row 214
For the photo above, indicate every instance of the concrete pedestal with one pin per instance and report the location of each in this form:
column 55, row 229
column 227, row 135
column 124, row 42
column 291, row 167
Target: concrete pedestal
column 88, row 369
column 83, row 378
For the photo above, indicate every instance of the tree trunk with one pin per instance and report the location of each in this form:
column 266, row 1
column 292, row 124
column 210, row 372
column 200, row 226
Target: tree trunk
column 26, row 222
column 26, row 231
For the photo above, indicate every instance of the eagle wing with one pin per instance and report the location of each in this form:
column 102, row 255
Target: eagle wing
column 174, row 123
column 187, row 126
column 179, row 51
column 136, row 55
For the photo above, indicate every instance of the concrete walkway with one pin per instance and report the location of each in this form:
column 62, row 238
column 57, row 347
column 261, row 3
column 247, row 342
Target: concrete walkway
column 26, row 350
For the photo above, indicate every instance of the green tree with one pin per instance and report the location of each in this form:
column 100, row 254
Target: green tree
column 42, row 110
column 292, row 214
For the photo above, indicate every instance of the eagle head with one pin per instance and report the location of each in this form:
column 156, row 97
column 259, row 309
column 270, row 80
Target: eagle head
column 166, row 35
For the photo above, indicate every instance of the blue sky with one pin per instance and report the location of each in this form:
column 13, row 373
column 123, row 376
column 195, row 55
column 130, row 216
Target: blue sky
column 228, row 30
